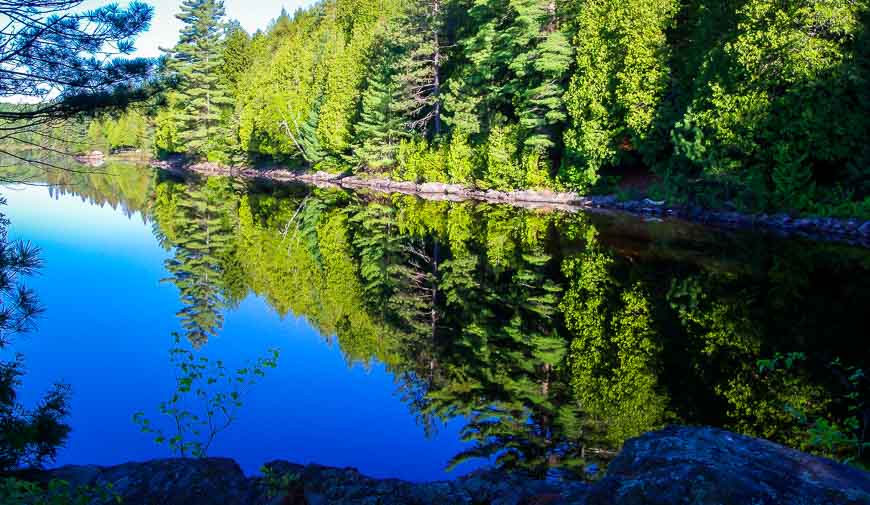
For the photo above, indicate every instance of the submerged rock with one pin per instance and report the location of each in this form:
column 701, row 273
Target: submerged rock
column 700, row 466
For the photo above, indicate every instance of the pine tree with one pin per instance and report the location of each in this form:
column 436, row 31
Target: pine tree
column 474, row 89
column 196, row 61
column 420, row 37
column 380, row 127
column 540, row 67
column 305, row 137
column 515, row 60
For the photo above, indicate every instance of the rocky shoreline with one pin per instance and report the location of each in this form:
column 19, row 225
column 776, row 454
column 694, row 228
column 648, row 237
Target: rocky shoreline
column 852, row 231
column 679, row 464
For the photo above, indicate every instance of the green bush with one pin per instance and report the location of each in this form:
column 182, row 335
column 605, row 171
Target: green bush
column 417, row 161
column 503, row 170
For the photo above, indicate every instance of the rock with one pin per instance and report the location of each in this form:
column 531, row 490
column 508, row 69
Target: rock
column 322, row 176
column 650, row 201
column 92, row 158
column 544, row 196
column 283, row 175
column 698, row 466
column 379, row 183
column 531, row 196
column 456, row 189
column 492, row 194
column 352, row 180
column 707, row 466
column 217, row 480
column 433, row 187
column 408, row 187
column 804, row 224
column 165, row 481
column 603, row 201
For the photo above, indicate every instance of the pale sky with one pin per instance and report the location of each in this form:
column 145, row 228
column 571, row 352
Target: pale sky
column 252, row 14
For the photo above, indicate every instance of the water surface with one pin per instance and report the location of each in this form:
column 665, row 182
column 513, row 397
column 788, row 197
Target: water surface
column 416, row 334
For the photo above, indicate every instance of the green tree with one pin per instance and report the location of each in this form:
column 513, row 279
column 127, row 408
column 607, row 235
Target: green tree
column 196, row 61
column 543, row 56
column 58, row 63
column 381, row 127
column 237, row 56
column 618, row 85
column 199, row 224
column 420, row 36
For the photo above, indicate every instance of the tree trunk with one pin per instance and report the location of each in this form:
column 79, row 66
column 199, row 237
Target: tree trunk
column 436, row 91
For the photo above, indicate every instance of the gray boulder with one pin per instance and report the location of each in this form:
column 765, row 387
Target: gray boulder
column 709, row 466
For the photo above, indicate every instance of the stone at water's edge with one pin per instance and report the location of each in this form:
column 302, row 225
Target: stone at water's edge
column 708, row 466
column 677, row 465
column 220, row 481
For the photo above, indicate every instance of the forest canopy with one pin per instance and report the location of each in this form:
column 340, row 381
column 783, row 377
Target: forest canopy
column 754, row 104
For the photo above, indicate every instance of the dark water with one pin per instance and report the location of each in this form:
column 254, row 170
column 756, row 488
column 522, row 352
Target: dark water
column 415, row 335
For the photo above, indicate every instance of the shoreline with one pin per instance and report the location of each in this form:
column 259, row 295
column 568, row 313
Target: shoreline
column 851, row 231
column 710, row 465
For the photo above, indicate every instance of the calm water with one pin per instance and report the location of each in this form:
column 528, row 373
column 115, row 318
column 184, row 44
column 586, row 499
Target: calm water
column 414, row 334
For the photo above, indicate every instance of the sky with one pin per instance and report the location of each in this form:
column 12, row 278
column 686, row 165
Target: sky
column 252, row 14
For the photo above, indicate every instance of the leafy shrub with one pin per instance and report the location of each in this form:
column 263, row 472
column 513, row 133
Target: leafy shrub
column 503, row 171
column 419, row 162
column 55, row 492
column 461, row 160
column 205, row 402
column 840, row 430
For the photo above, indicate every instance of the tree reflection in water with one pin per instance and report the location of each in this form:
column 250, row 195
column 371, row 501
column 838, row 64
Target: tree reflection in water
column 555, row 336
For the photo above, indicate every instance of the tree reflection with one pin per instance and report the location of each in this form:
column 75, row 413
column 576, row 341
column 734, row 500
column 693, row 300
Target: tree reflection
column 199, row 221
column 554, row 336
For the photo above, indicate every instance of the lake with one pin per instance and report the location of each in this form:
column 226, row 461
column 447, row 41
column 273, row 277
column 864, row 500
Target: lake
column 412, row 335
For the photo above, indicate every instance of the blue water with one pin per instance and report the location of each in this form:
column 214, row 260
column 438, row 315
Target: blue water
column 107, row 332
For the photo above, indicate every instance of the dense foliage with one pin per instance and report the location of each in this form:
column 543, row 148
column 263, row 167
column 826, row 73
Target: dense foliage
column 749, row 103
column 551, row 337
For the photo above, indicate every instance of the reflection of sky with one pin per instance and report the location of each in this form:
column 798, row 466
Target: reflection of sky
column 107, row 333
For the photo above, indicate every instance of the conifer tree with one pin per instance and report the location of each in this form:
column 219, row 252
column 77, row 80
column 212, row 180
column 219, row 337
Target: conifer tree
column 237, row 56
column 517, row 60
column 380, row 127
column 196, row 61
column 308, row 143
column 543, row 59
column 419, row 68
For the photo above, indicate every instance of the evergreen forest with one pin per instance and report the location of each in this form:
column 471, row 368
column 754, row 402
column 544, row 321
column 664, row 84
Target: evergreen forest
column 749, row 104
